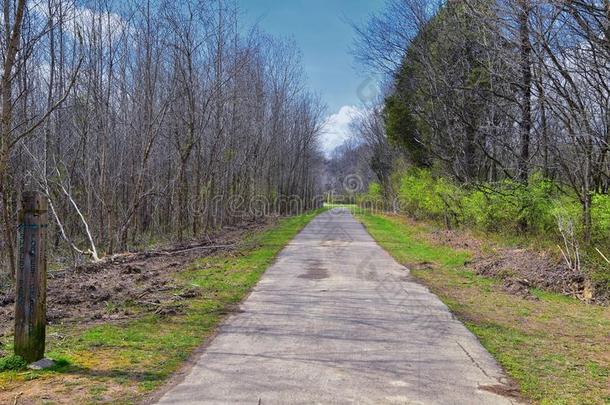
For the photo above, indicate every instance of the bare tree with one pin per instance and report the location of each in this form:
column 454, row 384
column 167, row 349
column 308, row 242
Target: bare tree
column 144, row 119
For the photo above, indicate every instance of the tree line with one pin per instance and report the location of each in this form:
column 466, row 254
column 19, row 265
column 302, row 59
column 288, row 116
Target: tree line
column 149, row 119
column 499, row 96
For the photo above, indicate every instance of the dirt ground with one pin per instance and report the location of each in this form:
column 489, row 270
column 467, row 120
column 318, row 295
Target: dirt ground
column 98, row 292
column 521, row 269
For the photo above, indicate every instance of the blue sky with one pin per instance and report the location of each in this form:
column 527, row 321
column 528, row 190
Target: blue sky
column 322, row 31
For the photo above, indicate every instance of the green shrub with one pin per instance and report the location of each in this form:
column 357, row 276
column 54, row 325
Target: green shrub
column 375, row 190
column 12, row 363
column 600, row 217
column 508, row 205
column 423, row 196
column 373, row 199
column 536, row 201
column 415, row 193
column 374, row 193
column 493, row 209
column 499, row 207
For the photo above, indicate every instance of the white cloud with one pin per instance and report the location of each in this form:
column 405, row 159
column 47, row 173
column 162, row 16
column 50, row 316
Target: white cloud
column 337, row 127
column 84, row 19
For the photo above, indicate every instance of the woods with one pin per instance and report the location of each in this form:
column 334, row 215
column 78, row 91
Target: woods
column 505, row 101
column 183, row 221
column 496, row 118
column 149, row 120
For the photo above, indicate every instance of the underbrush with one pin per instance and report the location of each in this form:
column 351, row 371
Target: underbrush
column 526, row 215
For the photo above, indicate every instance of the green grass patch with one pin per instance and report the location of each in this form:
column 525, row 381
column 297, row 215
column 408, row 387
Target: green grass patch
column 555, row 347
column 402, row 242
column 119, row 363
column 12, row 363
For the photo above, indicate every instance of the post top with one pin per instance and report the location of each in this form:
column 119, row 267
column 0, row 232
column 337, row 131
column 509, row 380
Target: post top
column 34, row 201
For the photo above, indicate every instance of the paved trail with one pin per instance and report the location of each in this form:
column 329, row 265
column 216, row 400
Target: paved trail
column 337, row 321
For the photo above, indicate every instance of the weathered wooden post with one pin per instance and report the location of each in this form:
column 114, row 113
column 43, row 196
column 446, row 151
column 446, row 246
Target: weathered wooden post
column 31, row 295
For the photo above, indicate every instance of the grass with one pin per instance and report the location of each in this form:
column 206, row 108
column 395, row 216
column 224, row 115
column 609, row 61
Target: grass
column 556, row 348
column 119, row 363
column 12, row 363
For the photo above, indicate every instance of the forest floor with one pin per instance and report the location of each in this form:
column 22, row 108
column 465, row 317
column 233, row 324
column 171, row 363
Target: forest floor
column 521, row 268
column 120, row 328
column 555, row 346
column 124, row 286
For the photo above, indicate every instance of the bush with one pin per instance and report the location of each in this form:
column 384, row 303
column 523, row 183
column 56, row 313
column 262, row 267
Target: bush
column 373, row 199
column 423, row 196
column 375, row 191
column 497, row 207
column 600, row 217
column 537, row 202
column 416, row 195
column 12, row 363
column 503, row 206
column 506, row 206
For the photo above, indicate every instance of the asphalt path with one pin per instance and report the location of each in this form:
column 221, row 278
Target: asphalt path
column 336, row 320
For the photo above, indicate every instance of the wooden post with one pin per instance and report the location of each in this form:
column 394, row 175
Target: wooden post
column 31, row 295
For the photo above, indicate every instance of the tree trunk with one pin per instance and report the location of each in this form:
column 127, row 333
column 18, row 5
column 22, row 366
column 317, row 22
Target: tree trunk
column 586, row 217
column 526, row 89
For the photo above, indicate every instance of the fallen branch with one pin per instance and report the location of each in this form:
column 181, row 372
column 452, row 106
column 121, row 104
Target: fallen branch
column 154, row 304
column 173, row 252
column 142, row 295
column 126, row 258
